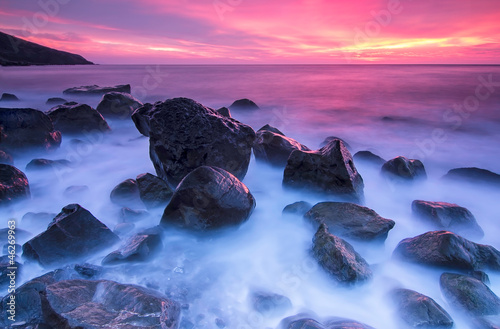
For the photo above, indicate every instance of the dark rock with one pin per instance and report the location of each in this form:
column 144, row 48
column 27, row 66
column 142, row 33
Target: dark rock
column 224, row 111
column 269, row 304
column 126, row 193
column 209, row 198
column 404, row 169
column 7, row 274
column 469, row 294
column 72, row 118
column 420, row 311
column 220, row 323
column 328, row 170
column 302, row 321
column 329, row 139
column 243, row 104
column 185, row 135
column 368, row 157
column 6, row 97
column 22, row 129
column 294, row 322
column 271, row 129
column 141, row 117
column 342, row 323
column 123, row 228
column 350, row 220
column 131, row 216
column 446, row 249
column 448, row 216
column 139, row 248
column 339, row 258
column 6, row 158
column 13, row 185
column 32, row 218
column 55, row 101
column 297, row 208
column 76, row 191
column 275, row 148
column 118, row 104
column 473, row 175
column 96, row 90
column 45, row 164
column 154, row 191
column 73, row 234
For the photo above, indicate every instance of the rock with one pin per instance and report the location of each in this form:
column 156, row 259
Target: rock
column 275, row 148
column 131, row 216
column 329, row 139
column 269, row 304
column 185, row 135
column 76, row 191
column 96, row 90
column 72, row 118
column 473, row 175
column 220, row 323
column 224, row 111
column 404, row 169
column 369, row 158
column 118, row 104
column 329, row 170
column 243, row 104
column 73, row 234
column 123, row 228
column 339, row 258
column 271, row 129
column 446, row 249
column 209, row 198
column 342, row 323
column 45, row 164
column 297, row 208
column 126, row 193
column 419, row 311
column 13, row 185
column 302, row 321
column 7, row 273
column 55, row 101
column 40, row 218
column 141, row 117
column 350, row 220
column 469, row 294
column 153, row 191
column 6, row 158
column 139, row 248
column 6, row 97
column 22, row 129
column 448, row 216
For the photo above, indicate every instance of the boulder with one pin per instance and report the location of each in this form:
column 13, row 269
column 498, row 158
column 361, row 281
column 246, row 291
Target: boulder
column 368, row 158
column 329, row 139
column 37, row 218
column 350, row 220
column 243, row 104
column 339, row 258
column 22, row 129
column 139, row 248
column 96, row 90
column 13, row 185
column 6, row 97
column 297, row 208
column 122, row 229
column 128, row 215
column 329, row 170
column 45, row 164
column 271, row 129
column 118, row 105
column 419, row 311
column 224, row 111
column 141, row 117
column 473, row 175
column 303, row 321
column 446, row 249
column 6, row 158
column 469, row 294
column 126, row 194
column 270, row 304
column 153, row 191
column 184, row 135
column 275, row 148
column 342, row 323
column 55, row 101
column 401, row 168
column 71, row 118
column 73, row 234
column 209, row 198
column 448, row 216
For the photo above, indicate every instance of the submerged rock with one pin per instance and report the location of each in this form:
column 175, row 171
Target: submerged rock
column 44, row 164
column 96, row 90
column 126, row 194
column 328, row 170
column 339, row 258
column 297, row 208
column 13, row 185
column 303, row 321
column 6, row 97
column 269, row 304
column 153, row 191
column 37, row 218
column 55, row 101
column 243, row 104
column 128, row 215
column 446, row 249
column 139, row 248
column 76, row 191
column 118, row 105
column 209, row 198
column 73, row 118
column 405, row 169
column 5, row 269
column 350, row 220
column 448, row 216
column 473, row 175
column 369, row 158
column 275, row 148
column 73, row 234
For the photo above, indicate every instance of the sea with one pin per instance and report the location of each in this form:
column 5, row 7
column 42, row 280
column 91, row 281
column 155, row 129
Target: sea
column 447, row 116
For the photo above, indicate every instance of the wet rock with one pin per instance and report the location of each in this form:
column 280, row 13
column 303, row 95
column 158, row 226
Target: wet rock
column 76, row 191
column 55, row 101
column 126, row 194
column 6, row 158
column 329, row 139
column 269, row 304
column 350, row 220
column 419, row 311
column 302, row 321
column 13, row 185
column 154, row 191
column 185, row 135
column 139, row 248
column 342, row 323
column 123, row 228
column 71, row 118
column 369, row 158
column 37, row 218
column 131, row 216
column 271, row 129
column 45, row 164
column 22, row 129
column 243, row 104
column 275, row 148
column 118, row 105
column 73, row 234
column 224, row 111
column 329, row 170
column 297, row 208
column 295, row 322
column 339, row 258
column 96, row 90
column 220, row 323
column 469, row 294
column 448, row 216
column 6, row 97
column 446, row 249
column 7, row 274
column 473, row 175
column 209, row 198
column 141, row 117
column 404, row 169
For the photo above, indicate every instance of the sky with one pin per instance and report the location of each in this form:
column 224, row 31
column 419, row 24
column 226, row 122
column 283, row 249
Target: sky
column 262, row 31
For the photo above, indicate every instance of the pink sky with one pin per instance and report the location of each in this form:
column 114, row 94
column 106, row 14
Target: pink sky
column 262, row 31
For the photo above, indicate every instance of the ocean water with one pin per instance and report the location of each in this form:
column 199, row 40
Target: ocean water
column 446, row 116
